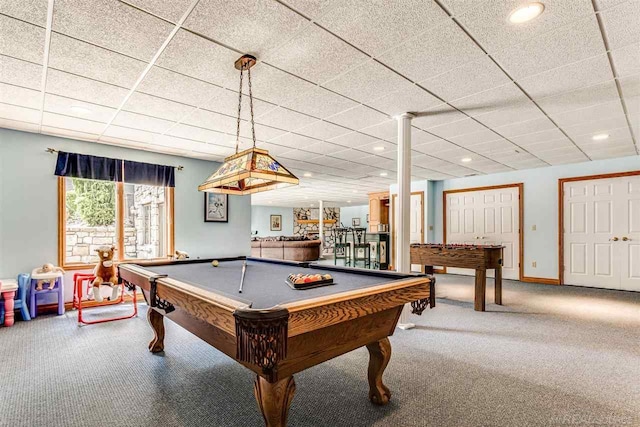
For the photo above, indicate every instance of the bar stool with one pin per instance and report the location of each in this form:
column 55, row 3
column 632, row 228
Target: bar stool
column 341, row 248
column 360, row 245
column 57, row 288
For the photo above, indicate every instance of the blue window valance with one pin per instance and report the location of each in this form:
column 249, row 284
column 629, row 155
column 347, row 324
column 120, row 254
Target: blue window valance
column 103, row 168
column 88, row 167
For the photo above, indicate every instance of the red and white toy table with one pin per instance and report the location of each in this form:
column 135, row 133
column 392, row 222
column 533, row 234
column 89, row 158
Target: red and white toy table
column 8, row 288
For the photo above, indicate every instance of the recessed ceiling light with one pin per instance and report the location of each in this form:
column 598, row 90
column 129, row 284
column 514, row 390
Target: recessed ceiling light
column 600, row 136
column 378, row 148
column 80, row 110
column 348, row 201
column 307, row 174
column 355, row 191
column 383, row 174
column 312, row 205
column 465, row 159
column 526, row 13
column 270, row 202
column 306, row 197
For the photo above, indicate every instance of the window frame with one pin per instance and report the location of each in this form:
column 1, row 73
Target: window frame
column 120, row 225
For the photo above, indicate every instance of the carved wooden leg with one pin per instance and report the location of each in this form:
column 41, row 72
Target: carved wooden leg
column 481, row 288
column 498, row 285
column 156, row 320
column 379, row 355
column 274, row 399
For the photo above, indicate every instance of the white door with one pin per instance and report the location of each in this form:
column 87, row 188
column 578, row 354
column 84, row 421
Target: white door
column 602, row 233
column 486, row 217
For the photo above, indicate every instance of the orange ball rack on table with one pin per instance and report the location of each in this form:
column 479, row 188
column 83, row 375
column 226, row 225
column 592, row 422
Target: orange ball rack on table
column 79, row 280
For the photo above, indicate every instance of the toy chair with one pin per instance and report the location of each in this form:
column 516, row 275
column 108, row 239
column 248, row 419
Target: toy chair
column 82, row 280
column 56, row 287
column 20, row 299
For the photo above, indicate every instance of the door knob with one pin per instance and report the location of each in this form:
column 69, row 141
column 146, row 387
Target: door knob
column 615, row 239
column 625, row 238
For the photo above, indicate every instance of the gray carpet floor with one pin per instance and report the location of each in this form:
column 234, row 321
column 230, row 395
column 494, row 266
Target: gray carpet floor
column 550, row 356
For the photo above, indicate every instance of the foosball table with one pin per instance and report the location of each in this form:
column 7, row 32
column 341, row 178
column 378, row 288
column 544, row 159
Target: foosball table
column 477, row 257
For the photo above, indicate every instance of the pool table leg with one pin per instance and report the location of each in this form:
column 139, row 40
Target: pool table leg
column 481, row 289
column 498, row 285
column 156, row 320
column 274, row 399
column 379, row 355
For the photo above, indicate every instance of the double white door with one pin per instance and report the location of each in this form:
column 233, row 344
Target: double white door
column 486, row 217
column 602, row 233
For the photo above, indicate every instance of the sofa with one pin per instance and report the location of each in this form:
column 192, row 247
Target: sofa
column 285, row 248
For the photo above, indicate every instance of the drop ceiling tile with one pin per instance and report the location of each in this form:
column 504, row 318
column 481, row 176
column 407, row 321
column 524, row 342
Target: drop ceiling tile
column 386, row 130
column 331, row 162
column 596, row 126
column 120, row 132
column 606, row 145
column 21, row 40
column 435, row 147
column 474, row 138
column 571, row 43
column 113, row 25
column 142, row 122
column 20, row 73
column 315, row 55
column 525, row 127
column 380, row 148
column 169, row 10
column 353, row 139
column 276, row 86
column 297, row 155
column 312, row 8
column 517, row 113
column 537, row 137
column 612, row 153
column 490, row 147
column 197, row 57
column 622, row 24
column 76, row 57
column 202, row 134
column 210, row 120
column 569, row 77
column 226, row 102
column 471, row 78
column 427, row 55
column 323, row 130
column 589, row 114
column 606, row 4
column 31, row 11
column 189, row 145
column 157, row 107
column 627, row 60
column 68, row 133
column 567, row 159
column 419, row 137
column 286, row 119
column 621, row 133
column 437, row 116
column 319, row 102
column 177, row 87
column 323, row 147
column 358, row 118
column 293, row 140
column 410, row 99
column 274, row 149
column 458, row 128
column 367, row 82
column 83, row 89
column 580, row 98
column 22, row 114
column 252, row 26
column 630, row 86
column 72, row 123
column 20, row 96
column 63, row 106
column 488, row 22
column 263, row 133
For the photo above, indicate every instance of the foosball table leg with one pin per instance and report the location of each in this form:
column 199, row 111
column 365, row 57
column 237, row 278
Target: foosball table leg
column 498, row 285
column 481, row 287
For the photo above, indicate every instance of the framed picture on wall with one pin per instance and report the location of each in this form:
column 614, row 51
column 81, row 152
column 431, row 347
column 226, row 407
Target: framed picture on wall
column 276, row 223
column 216, row 207
column 355, row 222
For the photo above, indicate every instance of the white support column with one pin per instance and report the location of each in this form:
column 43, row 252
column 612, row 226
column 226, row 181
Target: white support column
column 321, row 226
column 403, row 231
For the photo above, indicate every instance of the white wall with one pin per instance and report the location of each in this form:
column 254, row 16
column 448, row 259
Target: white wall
column 540, row 205
column 261, row 220
column 29, row 204
column 347, row 214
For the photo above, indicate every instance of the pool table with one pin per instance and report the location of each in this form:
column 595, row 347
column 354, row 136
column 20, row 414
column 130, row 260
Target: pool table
column 277, row 331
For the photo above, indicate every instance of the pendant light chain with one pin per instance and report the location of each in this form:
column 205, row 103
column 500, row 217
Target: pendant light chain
column 253, row 126
column 239, row 111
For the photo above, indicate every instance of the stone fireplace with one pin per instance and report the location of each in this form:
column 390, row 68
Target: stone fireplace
column 306, row 222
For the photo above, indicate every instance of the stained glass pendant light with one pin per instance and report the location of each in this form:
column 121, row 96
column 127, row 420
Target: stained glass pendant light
column 252, row 170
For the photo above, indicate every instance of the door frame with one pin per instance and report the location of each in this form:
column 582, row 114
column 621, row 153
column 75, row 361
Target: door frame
column 561, row 183
column 392, row 220
column 520, row 187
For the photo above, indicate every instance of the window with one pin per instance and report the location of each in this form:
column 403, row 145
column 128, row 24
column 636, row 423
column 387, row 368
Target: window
column 136, row 219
